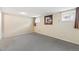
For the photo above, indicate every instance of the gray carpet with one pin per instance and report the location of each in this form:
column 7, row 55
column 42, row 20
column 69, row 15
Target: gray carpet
column 39, row 42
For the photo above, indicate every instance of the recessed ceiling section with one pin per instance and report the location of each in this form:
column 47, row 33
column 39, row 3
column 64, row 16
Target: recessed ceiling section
column 34, row 11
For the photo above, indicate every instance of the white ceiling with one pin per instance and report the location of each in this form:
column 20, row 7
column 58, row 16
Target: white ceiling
column 35, row 11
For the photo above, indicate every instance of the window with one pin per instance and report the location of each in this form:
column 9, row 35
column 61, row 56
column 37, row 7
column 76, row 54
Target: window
column 68, row 15
column 37, row 20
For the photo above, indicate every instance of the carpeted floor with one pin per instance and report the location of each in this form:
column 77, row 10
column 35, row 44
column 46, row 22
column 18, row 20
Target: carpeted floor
column 38, row 42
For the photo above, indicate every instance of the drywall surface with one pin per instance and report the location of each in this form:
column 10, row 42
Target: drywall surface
column 16, row 25
column 60, row 29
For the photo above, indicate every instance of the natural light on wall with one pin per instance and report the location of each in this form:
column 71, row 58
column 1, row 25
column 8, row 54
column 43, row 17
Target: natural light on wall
column 37, row 20
column 68, row 15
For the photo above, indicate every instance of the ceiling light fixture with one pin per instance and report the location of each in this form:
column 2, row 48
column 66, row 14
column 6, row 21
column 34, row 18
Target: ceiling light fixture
column 48, row 11
column 36, row 16
column 23, row 13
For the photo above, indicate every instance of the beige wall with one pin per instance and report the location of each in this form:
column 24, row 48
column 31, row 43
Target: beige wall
column 62, row 30
column 16, row 25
